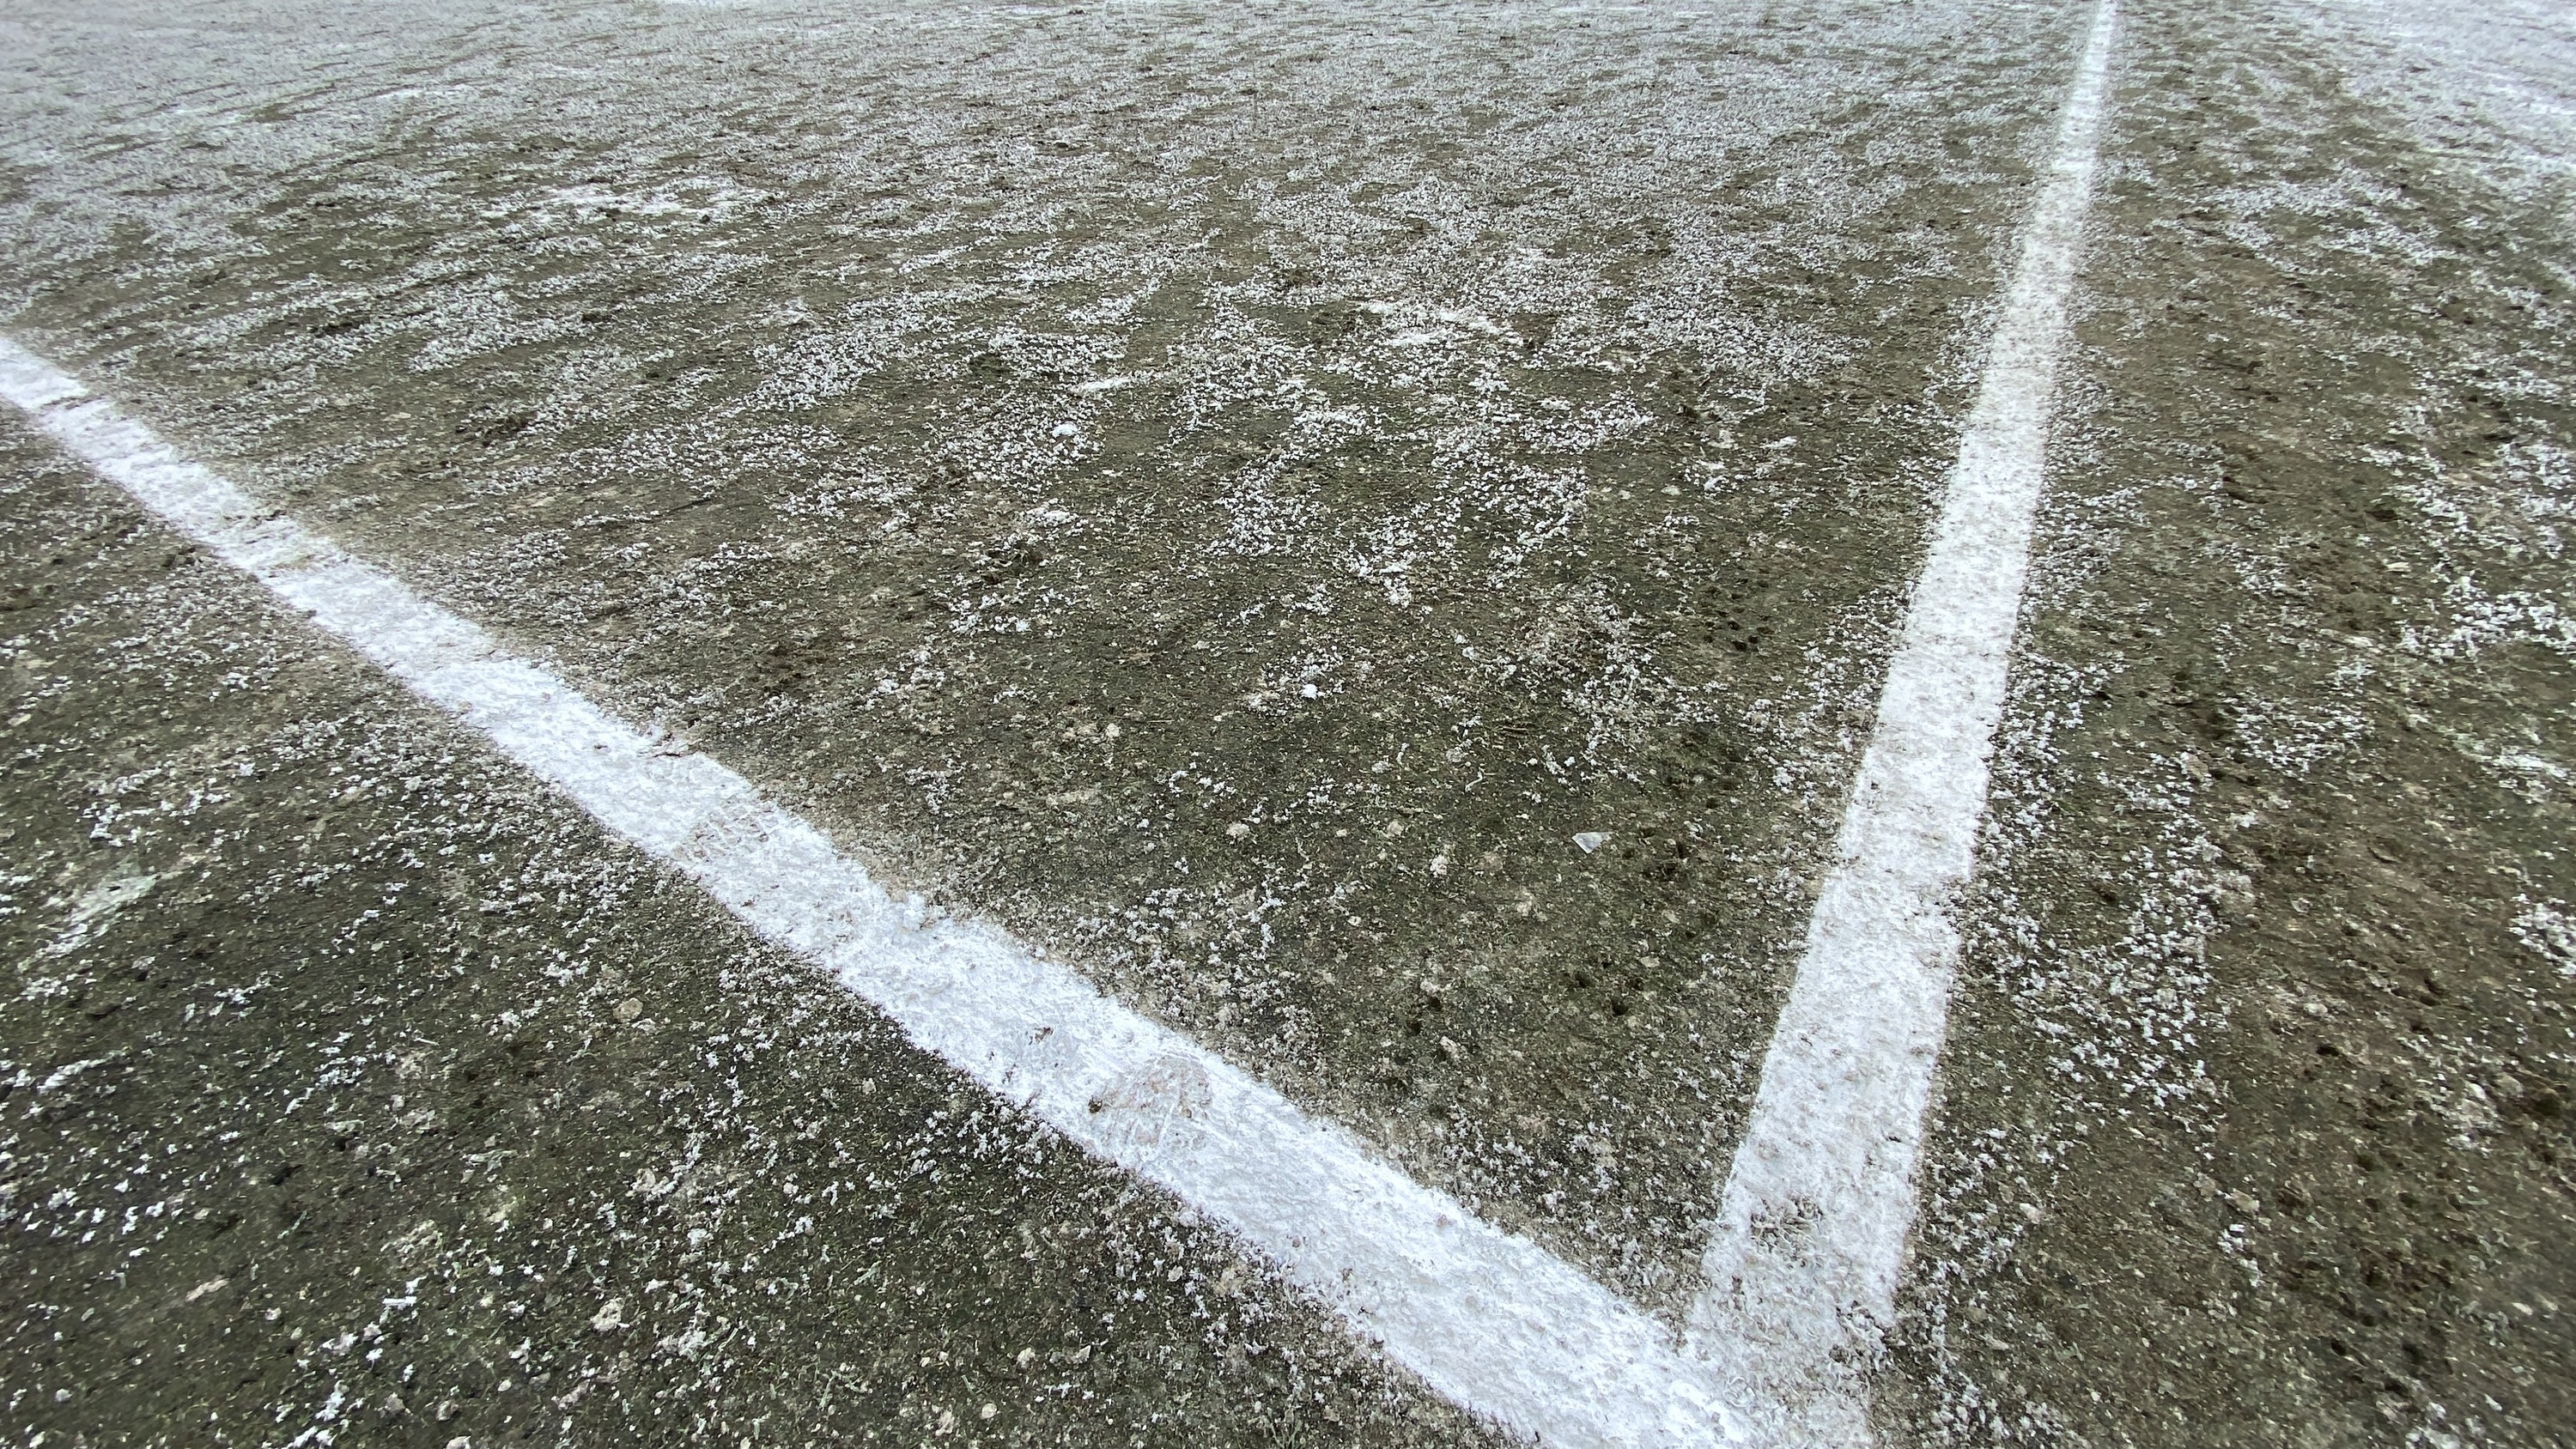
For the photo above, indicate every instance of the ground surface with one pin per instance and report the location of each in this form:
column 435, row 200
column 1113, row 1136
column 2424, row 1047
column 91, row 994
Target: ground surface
column 1231, row 497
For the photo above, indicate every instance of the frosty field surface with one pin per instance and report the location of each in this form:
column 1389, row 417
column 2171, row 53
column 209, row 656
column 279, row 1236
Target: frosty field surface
column 1371, row 533
column 1257, row 608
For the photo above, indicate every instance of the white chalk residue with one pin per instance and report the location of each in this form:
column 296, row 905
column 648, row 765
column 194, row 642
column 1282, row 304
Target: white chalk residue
column 1486, row 1318
column 1804, row 1259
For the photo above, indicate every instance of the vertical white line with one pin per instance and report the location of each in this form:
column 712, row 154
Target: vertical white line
column 1803, row 1261
column 1501, row 1327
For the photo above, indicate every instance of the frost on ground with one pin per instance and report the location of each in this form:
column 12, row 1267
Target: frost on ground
column 2495, row 82
column 1233, row 494
column 2549, row 930
column 355, row 1092
column 1374, row 531
column 2255, row 1127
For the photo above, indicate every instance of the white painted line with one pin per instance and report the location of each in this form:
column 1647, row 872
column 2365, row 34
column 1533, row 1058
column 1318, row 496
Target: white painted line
column 1488, row 1319
column 1803, row 1262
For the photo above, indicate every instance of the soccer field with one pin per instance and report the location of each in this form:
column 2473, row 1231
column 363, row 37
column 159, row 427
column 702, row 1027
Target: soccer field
column 1399, row 724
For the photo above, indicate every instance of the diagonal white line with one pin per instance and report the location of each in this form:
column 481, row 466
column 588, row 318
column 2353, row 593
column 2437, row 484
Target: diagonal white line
column 1487, row 1319
column 1803, row 1262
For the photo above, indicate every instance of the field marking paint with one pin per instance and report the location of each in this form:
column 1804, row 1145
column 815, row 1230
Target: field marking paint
column 1486, row 1318
column 1803, row 1262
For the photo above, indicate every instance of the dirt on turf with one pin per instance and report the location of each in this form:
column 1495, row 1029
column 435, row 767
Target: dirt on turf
column 1237, row 497
column 2256, row 1126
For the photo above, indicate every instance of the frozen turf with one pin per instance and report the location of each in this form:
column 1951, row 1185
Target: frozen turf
column 1493, row 1323
column 1232, row 497
column 1804, row 1259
